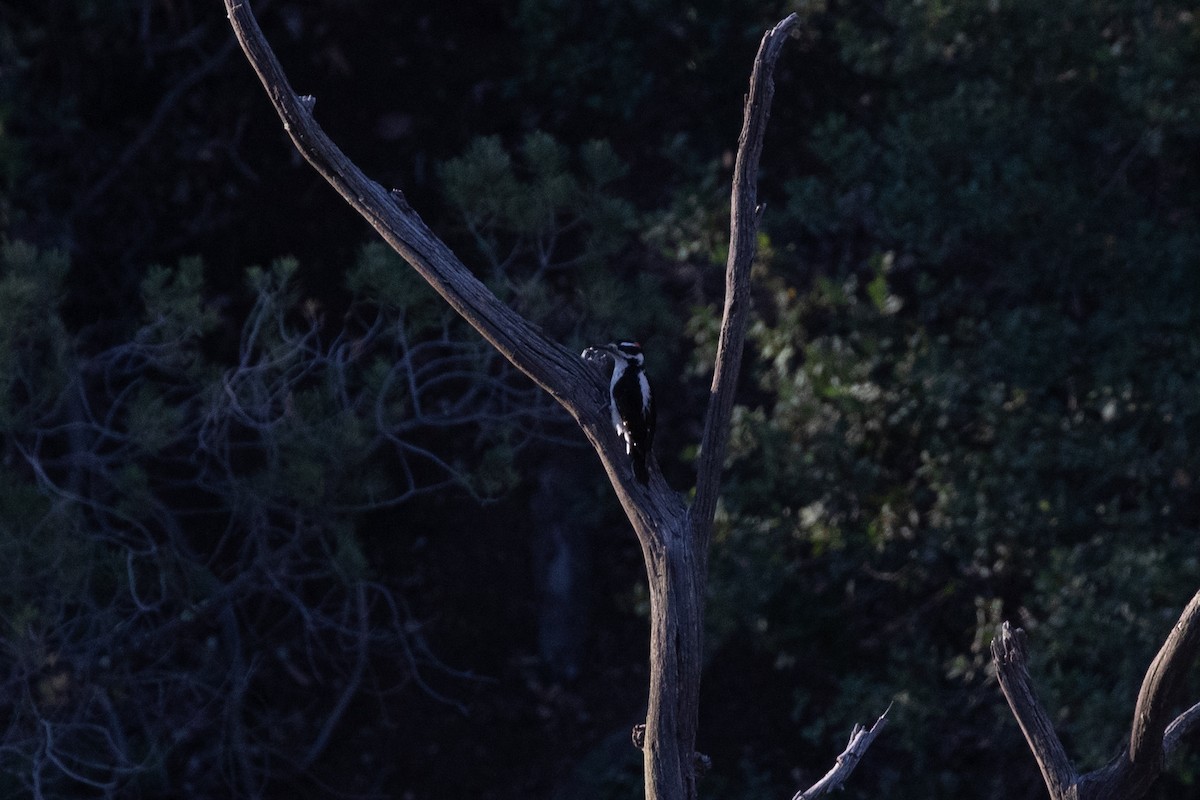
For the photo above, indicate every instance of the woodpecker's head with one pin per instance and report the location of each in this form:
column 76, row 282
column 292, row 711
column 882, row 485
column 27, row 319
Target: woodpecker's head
column 628, row 351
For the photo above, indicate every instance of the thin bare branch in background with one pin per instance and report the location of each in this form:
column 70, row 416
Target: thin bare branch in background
column 860, row 739
column 223, row 581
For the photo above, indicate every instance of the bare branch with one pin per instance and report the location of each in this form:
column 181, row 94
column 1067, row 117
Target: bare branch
column 550, row 365
column 579, row 389
column 1132, row 773
column 860, row 739
column 1011, row 656
column 1161, row 688
column 743, row 235
column 1183, row 725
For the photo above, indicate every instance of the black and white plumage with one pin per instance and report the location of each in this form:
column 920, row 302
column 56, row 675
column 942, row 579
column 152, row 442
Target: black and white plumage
column 630, row 401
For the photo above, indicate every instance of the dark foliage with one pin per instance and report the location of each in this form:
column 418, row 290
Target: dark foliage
column 249, row 516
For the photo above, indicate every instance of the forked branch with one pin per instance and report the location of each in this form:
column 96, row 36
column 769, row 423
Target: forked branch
column 1153, row 736
column 674, row 539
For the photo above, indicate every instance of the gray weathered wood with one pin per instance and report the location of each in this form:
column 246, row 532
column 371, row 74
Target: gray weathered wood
column 1153, row 735
column 1011, row 657
column 856, row 748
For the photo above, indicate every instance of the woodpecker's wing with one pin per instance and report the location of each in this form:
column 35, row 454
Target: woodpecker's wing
column 651, row 417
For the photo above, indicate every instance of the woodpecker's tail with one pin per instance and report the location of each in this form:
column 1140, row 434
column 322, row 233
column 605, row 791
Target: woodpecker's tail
column 638, row 456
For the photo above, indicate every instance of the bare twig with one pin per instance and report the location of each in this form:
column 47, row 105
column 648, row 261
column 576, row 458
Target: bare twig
column 860, row 739
column 1183, row 725
column 151, row 633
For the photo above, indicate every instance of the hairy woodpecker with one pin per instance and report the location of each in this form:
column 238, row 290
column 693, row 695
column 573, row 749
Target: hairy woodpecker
column 630, row 401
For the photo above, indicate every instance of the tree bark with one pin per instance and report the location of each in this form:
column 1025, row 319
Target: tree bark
column 676, row 643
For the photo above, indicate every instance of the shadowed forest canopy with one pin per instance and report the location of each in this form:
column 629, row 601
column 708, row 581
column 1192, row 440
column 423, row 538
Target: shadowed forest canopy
column 273, row 523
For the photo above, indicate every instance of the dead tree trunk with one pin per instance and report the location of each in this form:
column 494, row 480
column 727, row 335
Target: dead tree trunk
column 674, row 538
column 1152, row 737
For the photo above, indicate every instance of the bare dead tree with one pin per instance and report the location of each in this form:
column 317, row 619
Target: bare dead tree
column 1153, row 735
column 674, row 536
